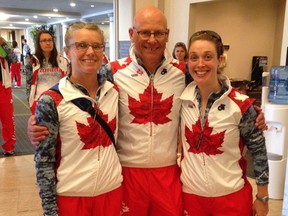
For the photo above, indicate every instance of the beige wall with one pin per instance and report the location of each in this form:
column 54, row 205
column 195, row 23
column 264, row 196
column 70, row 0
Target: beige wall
column 250, row 27
column 140, row 3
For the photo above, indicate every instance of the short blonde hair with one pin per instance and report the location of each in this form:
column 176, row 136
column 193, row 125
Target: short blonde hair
column 82, row 25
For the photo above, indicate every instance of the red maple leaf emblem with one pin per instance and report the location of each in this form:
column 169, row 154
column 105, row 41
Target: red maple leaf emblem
column 150, row 108
column 120, row 64
column 202, row 140
column 93, row 135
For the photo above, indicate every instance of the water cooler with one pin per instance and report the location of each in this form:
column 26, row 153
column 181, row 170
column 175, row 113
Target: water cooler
column 275, row 107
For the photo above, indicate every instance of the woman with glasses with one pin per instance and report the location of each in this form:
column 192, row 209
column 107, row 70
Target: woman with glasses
column 77, row 167
column 45, row 68
column 217, row 121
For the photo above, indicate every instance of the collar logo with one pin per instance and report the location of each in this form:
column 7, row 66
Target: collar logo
column 221, row 107
column 164, row 71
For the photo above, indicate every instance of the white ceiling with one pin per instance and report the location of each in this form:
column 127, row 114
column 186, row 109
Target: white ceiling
column 19, row 10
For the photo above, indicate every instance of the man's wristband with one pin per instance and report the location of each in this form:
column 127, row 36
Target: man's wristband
column 264, row 199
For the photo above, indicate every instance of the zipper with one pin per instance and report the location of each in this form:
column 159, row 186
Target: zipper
column 202, row 122
column 96, row 113
column 203, row 158
column 200, row 139
column 152, row 102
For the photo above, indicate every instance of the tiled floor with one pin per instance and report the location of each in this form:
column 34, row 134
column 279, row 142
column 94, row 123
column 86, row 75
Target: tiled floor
column 19, row 193
column 18, row 189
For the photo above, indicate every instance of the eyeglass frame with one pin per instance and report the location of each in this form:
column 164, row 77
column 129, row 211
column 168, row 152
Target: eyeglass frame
column 79, row 48
column 47, row 40
column 157, row 34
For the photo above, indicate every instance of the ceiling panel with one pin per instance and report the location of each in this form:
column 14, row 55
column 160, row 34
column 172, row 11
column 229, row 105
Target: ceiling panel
column 19, row 10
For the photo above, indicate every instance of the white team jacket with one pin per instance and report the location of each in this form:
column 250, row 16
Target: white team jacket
column 148, row 111
column 215, row 168
column 88, row 164
column 43, row 79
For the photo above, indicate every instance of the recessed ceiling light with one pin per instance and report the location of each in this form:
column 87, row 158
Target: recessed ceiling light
column 72, row 4
column 35, row 17
column 4, row 16
column 49, row 17
column 10, row 24
column 92, row 6
column 55, row 10
column 26, row 19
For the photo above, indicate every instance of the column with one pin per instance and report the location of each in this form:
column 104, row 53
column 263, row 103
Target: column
column 112, row 39
column 63, row 28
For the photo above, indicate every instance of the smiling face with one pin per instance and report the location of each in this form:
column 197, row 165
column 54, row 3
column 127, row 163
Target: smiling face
column 203, row 62
column 151, row 49
column 84, row 61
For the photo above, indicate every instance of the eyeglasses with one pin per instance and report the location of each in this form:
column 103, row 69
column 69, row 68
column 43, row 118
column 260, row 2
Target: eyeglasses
column 83, row 46
column 46, row 40
column 145, row 35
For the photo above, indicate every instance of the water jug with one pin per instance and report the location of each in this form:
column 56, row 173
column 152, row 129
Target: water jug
column 278, row 86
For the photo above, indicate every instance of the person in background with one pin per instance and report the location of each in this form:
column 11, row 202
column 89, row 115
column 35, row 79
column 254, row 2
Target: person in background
column 45, row 68
column 105, row 70
column 26, row 51
column 217, row 121
column 25, row 48
column 180, row 52
column 7, row 56
column 105, row 58
column 15, row 68
column 77, row 167
column 150, row 83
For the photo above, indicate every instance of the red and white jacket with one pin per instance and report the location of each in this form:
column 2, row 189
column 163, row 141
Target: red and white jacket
column 215, row 167
column 10, row 57
column 45, row 78
column 86, row 162
column 149, row 106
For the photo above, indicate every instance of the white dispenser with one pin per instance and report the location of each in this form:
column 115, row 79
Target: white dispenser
column 276, row 116
column 276, row 142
